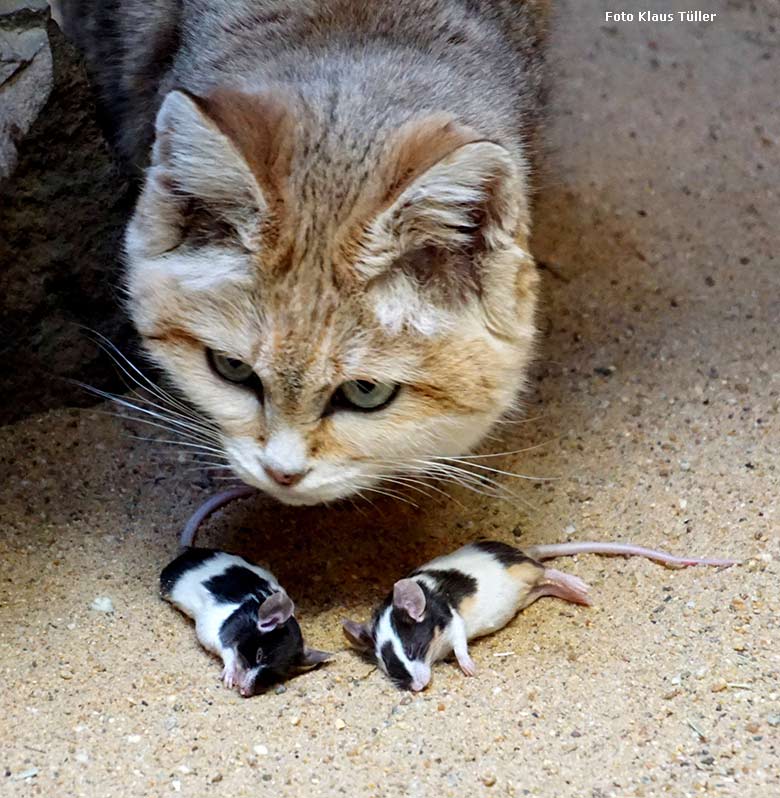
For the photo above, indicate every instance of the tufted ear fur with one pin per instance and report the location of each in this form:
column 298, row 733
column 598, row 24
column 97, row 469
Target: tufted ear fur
column 197, row 178
column 448, row 229
column 216, row 177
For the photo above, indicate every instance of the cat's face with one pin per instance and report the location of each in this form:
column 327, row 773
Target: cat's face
column 337, row 325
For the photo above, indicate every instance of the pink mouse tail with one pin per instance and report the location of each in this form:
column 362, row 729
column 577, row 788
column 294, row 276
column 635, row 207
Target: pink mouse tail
column 208, row 507
column 553, row 550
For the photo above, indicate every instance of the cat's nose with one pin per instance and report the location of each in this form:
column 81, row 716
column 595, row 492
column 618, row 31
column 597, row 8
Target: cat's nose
column 285, row 478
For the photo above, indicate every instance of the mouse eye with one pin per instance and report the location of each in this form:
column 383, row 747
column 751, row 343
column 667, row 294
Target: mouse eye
column 259, row 656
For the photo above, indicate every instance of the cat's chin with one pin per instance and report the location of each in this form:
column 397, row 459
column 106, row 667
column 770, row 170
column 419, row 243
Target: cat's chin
column 304, row 500
column 297, row 497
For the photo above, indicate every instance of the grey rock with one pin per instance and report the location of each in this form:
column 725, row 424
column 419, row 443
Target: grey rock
column 25, row 81
column 13, row 6
column 63, row 205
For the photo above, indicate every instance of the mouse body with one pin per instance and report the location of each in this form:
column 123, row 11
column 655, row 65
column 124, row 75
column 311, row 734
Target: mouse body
column 242, row 614
column 469, row 593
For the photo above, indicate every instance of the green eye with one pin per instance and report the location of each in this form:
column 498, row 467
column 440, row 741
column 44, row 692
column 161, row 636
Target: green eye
column 365, row 395
column 230, row 368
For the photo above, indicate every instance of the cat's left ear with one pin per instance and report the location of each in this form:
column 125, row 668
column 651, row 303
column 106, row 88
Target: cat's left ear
column 453, row 227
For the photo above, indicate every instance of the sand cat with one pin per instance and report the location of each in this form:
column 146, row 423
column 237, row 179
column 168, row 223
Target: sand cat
column 329, row 252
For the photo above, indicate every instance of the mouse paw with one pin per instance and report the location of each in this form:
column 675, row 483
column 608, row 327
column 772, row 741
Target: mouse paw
column 230, row 676
column 468, row 666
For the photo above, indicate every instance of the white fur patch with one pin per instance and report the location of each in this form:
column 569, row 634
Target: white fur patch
column 399, row 304
column 419, row 670
column 201, row 269
column 286, row 452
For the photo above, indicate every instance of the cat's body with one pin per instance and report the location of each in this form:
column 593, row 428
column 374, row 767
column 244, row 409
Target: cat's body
column 330, row 251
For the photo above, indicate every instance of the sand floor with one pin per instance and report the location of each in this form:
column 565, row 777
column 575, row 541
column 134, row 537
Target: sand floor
column 656, row 399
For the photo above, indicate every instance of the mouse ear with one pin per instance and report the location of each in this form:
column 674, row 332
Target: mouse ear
column 409, row 597
column 358, row 634
column 312, row 657
column 274, row 611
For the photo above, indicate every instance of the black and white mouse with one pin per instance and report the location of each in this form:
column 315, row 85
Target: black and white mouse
column 242, row 614
column 471, row 592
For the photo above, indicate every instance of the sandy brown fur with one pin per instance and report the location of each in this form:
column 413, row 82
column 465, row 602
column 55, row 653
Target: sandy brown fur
column 526, row 574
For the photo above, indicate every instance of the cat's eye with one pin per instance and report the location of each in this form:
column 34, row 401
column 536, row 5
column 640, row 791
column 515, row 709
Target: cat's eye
column 236, row 371
column 259, row 656
column 365, row 395
column 230, row 368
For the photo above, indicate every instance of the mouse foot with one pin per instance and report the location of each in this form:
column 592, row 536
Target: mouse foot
column 468, row 666
column 465, row 663
column 231, row 675
column 562, row 586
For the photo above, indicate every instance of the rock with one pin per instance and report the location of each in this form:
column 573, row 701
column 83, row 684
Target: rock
column 31, row 773
column 25, row 76
column 63, row 208
column 102, row 604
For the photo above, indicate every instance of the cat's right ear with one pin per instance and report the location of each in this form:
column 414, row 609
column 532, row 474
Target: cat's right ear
column 194, row 163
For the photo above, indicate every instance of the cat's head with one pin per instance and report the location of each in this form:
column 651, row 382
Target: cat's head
column 342, row 304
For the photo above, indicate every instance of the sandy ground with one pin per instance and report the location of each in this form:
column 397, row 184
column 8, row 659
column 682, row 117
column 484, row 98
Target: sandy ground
column 656, row 400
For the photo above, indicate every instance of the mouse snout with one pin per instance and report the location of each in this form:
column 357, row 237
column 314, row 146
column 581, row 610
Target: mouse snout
column 421, row 677
column 247, row 687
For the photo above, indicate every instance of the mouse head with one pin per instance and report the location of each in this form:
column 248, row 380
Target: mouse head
column 275, row 649
column 406, row 634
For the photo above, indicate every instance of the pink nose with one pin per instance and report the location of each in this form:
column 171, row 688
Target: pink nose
column 285, row 478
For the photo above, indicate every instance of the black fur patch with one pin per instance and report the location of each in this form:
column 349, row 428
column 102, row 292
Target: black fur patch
column 236, row 583
column 240, row 630
column 186, row 561
column 395, row 668
column 278, row 651
column 453, row 585
column 507, row 555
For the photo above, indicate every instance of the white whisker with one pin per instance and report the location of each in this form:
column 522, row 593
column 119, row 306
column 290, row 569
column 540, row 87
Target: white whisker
column 135, row 419
column 498, row 470
column 137, row 408
column 492, row 454
column 142, row 380
column 465, row 478
column 207, row 466
column 392, row 494
column 413, row 484
column 199, row 446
